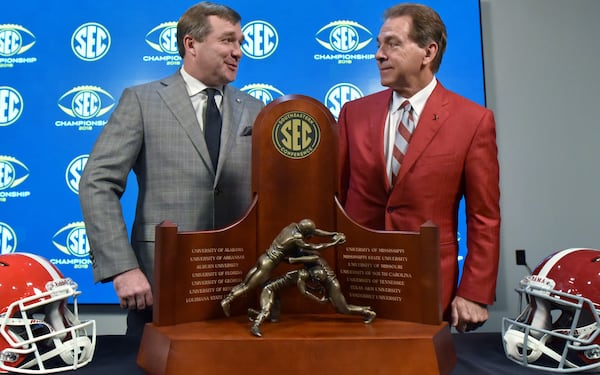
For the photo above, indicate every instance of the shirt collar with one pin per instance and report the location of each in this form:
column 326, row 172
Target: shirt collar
column 193, row 85
column 417, row 101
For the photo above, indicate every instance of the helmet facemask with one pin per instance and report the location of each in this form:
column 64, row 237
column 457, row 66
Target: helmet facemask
column 44, row 335
column 555, row 331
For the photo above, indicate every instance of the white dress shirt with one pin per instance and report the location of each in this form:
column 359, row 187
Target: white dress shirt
column 195, row 90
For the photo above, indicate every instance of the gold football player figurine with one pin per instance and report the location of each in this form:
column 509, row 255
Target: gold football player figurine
column 317, row 272
column 288, row 243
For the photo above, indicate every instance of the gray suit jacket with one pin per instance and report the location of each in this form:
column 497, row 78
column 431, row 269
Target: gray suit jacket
column 154, row 131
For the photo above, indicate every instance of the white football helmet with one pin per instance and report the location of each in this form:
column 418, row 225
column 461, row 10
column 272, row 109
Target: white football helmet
column 38, row 332
column 559, row 327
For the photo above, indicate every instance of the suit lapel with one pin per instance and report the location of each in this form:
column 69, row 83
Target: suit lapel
column 233, row 106
column 178, row 101
column 377, row 113
column 431, row 120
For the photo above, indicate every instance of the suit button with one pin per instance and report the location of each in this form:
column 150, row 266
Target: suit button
column 217, row 191
column 390, row 210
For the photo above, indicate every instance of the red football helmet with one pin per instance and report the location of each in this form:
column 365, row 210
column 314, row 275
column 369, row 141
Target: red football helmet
column 38, row 332
column 558, row 330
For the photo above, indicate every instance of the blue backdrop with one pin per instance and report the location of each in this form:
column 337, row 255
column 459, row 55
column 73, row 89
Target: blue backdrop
column 63, row 66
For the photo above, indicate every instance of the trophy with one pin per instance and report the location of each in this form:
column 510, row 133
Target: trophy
column 313, row 281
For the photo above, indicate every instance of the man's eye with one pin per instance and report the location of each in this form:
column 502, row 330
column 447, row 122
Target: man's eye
column 388, row 45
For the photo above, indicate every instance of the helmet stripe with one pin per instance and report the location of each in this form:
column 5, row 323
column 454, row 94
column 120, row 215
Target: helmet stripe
column 42, row 261
column 554, row 259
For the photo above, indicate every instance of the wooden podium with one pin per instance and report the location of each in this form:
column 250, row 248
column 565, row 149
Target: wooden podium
column 294, row 162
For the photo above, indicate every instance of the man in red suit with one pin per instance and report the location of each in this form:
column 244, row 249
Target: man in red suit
column 451, row 154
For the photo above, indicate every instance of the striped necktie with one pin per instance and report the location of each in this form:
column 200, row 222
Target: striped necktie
column 406, row 126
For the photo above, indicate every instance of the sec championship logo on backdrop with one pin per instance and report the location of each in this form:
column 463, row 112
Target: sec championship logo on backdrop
column 338, row 95
column 72, row 240
column 86, row 104
column 8, row 239
column 163, row 39
column 91, row 41
column 12, row 174
column 262, row 91
column 74, row 172
column 11, row 105
column 296, row 135
column 344, row 39
column 15, row 40
column 260, row 40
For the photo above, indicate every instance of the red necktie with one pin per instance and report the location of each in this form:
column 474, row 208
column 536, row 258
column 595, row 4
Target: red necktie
column 406, row 126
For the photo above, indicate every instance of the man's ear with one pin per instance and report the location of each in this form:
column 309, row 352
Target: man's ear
column 430, row 53
column 188, row 42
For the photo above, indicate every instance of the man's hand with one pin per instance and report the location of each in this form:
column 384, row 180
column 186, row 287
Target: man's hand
column 133, row 290
column 467, row 315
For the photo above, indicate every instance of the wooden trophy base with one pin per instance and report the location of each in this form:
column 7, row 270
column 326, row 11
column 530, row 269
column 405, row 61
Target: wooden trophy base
column 298, row 344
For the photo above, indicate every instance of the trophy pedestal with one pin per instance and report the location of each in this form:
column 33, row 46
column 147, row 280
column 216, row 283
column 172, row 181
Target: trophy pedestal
column 298, row 344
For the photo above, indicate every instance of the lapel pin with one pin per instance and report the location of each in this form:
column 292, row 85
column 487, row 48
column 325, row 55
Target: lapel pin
column 238, row 100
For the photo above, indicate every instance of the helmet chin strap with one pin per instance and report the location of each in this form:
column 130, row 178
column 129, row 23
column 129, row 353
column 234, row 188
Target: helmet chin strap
column 75, row 353
column 515, row 339
column 541, row 318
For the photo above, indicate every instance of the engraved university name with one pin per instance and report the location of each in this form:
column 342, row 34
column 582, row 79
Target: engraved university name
column 215, row 272
column 375, row 273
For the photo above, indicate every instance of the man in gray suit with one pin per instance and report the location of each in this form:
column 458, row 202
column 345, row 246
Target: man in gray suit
column 157, row 131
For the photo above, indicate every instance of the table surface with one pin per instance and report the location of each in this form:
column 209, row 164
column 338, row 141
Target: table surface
column 477, row 354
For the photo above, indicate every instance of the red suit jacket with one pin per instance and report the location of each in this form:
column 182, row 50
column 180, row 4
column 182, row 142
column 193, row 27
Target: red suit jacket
column 452, row 154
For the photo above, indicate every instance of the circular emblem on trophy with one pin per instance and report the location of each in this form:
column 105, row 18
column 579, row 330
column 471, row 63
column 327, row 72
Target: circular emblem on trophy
column 296, row 135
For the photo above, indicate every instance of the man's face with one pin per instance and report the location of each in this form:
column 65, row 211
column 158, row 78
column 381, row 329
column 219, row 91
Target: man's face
column 215, row 60
column 400, row 60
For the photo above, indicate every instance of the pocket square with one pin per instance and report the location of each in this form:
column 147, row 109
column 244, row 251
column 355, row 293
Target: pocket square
column 246, row 131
